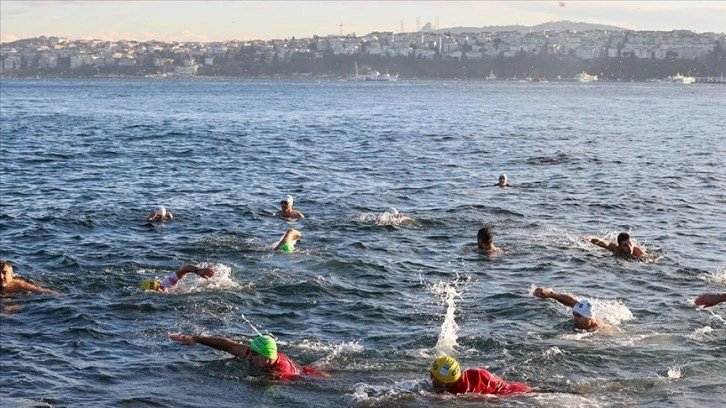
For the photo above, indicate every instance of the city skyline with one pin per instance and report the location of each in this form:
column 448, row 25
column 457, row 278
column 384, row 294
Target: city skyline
column 259, row 20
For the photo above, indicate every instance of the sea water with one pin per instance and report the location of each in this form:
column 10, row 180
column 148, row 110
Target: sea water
column 83, row 162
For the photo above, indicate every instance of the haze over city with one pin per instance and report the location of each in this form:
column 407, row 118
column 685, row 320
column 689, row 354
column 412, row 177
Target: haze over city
column 203, row 21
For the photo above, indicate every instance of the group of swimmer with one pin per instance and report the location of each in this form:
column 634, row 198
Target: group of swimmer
column 445, row 372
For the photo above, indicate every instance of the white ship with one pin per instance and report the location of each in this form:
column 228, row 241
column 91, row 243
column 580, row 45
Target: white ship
column 585, row 77
column 680, row 79
column 374, row 76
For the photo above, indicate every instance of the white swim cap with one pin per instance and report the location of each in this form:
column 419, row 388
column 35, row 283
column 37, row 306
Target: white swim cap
column 288, row 199
column 161, row 210
column 584, row 308
column 393, row 211
column 503, row 176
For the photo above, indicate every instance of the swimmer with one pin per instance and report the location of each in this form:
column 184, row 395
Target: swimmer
column 260, row 353
column 160, row 213
column 710, row 299
column 582, row 313
column 623, row 247
column 446, row 376
column 286, row 210
column 288, row 241
column 12, row 284
column 502, row 181
column 485, row 241
column 170, row 281
column 393, row 214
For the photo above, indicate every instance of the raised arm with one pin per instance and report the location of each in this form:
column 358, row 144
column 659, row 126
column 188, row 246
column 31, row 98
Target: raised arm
column 205, row 273
column 564, row 298
column 219, row 343
column 290, row 237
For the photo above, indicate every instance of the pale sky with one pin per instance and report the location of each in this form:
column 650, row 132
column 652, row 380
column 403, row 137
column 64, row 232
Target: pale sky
column 207, row 21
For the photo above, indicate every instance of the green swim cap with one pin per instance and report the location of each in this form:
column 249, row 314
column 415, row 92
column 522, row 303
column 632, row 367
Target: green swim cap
column 287, row 247
column 264, row 346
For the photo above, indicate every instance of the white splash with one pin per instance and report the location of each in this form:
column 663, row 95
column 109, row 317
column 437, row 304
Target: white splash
column 612, row 311
column 449, row 328
column 718, row 276
column 334, row 349
column 700, row 334
column 674, row 372
column 250, row 323
column 222, row 280
column 385, row 395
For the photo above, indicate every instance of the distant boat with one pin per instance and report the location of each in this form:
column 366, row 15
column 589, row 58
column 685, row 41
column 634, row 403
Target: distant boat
column 378, row 77
column 386, row 77
column 374, row 76
column 491, row 76
column 585, row 77
column 680, row 79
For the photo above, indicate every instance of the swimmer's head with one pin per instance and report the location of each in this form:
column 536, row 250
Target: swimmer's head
column 287, row 200
column 485, row 236
column 502, row 177
column 583, row 308
column 265, row 346
column 393, row 211
column 445, row 369
column 7, row 273
column 151, row 284
column 625, row 243
column 161, row 210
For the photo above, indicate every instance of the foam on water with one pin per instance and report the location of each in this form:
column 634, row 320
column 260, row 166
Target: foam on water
column 448, row 335
column 718, row 277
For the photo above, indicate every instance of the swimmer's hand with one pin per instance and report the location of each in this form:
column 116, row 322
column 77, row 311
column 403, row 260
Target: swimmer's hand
column 184, row 339
column 543, row 293
column 710, row 299
column 205, row 273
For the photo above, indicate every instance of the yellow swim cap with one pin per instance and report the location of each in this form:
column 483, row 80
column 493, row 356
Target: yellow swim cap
column 445, row 369
column 151, row 284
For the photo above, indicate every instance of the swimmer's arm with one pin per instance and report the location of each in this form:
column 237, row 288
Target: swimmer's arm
column 637, row 251
column 29, row 287
column 710, row 299
column 601, row 243
column 291, row 236
column 171, row 216
column 215, row 342
column 564, row 298
column 205, row 273
column 300, row 215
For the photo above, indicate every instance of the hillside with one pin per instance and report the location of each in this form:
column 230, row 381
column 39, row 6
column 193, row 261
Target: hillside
column 550, row 26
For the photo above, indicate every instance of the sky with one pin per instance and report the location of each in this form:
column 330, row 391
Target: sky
column 209, row 21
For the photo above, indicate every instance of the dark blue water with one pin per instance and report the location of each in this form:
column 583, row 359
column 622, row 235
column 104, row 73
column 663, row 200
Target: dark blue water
column 84, row 161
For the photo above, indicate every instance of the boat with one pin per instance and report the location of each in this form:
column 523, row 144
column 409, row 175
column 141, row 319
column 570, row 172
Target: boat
column 585, row 77
column 680, row 79
column 378, row 77
column 374, row 76
column 491, row 76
